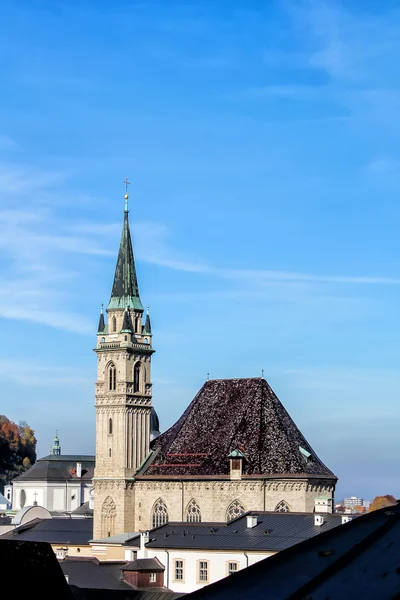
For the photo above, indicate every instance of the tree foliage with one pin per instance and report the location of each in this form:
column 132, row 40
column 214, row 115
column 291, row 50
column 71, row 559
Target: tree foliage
column 17, row 449
column 381, row 502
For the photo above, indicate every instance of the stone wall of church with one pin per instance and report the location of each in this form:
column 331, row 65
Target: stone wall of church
column 214, row 498
column 114, row 507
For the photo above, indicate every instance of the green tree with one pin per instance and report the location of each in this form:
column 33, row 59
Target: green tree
column 17, row 449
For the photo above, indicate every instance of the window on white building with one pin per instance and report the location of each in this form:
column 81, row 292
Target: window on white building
column 232, row 568
column 178, row 570
column 203, row 570
column 152, row 578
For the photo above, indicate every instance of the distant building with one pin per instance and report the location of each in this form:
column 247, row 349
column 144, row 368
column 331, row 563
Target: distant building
column 356, row 501
column 60, row 483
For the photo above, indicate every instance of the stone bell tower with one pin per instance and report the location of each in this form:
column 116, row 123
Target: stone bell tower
column 123, row 396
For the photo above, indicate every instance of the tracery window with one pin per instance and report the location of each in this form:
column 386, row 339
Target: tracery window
column 159, row 513
column 235, row 509
column 282, row 506
column 136, row 377
column 193, row 514
column 112, row 377
column 108, row 514
column 114, row 324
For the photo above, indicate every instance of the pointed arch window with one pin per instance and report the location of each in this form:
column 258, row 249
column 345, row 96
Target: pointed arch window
column 112, row 377
column 137, row 325
column 159, row 513
column 108, row 515
column 110, row 425
column 282, row 506
column 136, row 377
column 114, row 324
column 234, row 510
column 193, row 514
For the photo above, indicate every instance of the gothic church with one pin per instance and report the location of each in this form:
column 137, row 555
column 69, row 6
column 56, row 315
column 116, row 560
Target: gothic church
column 235, row 448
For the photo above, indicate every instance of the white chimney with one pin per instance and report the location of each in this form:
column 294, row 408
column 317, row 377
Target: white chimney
column 67, row 578
column 346, row 519
column 251, row 521
column 79, row 469
column 318, row 520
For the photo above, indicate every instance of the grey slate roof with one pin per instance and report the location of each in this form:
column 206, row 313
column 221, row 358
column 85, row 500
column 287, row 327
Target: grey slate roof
column 59, row 468
column 144, row 564
column 131, row 537
column 274, row 532
column 234, row 414
column 357, row 560
column 83, row 509
column 53, row 531
column 89, row 574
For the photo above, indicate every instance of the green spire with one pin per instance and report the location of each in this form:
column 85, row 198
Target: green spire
column 125, row 291
column 56, row 449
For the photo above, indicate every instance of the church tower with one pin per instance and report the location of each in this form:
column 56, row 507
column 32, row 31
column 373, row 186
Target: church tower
column 123, row 396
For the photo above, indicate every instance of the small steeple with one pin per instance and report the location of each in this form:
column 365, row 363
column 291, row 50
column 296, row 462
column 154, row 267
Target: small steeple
column 102, row 325
column 125, row 291
column 147, row 324
column 127, row 322
column 56, row 449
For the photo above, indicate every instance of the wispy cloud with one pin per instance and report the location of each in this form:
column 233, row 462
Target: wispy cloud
column 152, row 246
column 37, row 374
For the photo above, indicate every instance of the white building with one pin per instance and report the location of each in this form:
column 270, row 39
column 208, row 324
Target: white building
column 356, row 501
column 60, row 483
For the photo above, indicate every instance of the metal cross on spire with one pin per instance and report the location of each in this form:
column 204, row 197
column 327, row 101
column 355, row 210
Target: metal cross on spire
column 126, row 182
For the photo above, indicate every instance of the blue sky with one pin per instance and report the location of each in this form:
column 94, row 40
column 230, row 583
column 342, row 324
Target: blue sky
column 262, row 143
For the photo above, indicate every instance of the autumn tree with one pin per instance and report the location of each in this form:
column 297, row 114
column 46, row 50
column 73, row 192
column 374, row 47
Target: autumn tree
column 17, row 449
column 381, row 502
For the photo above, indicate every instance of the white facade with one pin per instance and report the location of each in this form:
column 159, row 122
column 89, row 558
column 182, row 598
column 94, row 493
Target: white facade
column 55, row 496
column 189, row 570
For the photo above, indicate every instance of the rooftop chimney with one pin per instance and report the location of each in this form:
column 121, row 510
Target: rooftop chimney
column 346, row 519
column 79, row 469
column 318, row 520
column 251, row 521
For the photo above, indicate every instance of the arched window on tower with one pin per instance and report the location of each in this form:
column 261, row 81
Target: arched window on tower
column 112, row 377
column 159, row 514
column 136, row 377
column 110, row 426
column 114, row 324
column 234, row 510
column 137, row 325
column 193, row 514
column 282, row 506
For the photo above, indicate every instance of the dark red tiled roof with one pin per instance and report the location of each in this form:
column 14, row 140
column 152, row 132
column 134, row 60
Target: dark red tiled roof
column 234, row 414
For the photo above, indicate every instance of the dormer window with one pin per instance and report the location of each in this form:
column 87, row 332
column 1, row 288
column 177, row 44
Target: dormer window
column 236, row 459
